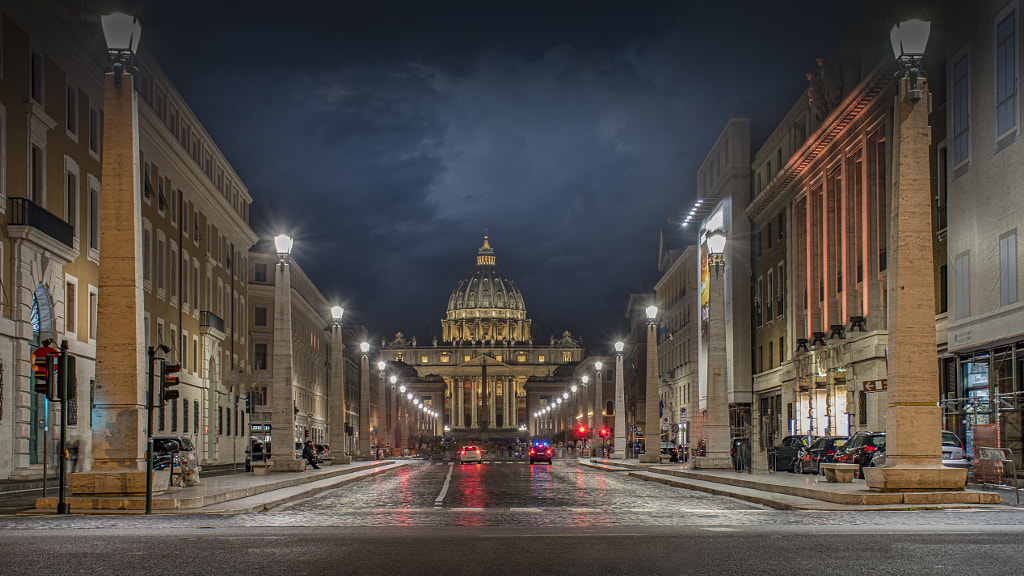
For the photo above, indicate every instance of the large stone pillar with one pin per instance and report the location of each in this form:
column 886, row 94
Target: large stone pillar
column 282, row 431
column 336, row 399
column 652, row 428
column 119, row 429
column 364, row 406
column 914, row 418
column 716, row 424
column 475, row 403
column 619, row 446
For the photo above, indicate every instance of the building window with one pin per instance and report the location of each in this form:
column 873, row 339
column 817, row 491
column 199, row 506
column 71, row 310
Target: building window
column 174, row 416
column 423, row 360
column 1006, row 72
column 540, row 359
column 94, row 218
column 160, row 267
column 147, row 256
column 961, row 109
column 1008, row 268
column 963, row 285
column 36, row 175
column 70, row 312
column 35, row 76
column 94, row 131
column 259, row 316
column 184, row 415
column 72, row 112
column 92, row 314
column 260, row 356
column 195, row 414
column 71, row 196
column 259, row 272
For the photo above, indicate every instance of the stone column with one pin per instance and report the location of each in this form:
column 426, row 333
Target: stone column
column 598, row 401
column 619, row 447
column 491, row 393
column 716, row 424
column 381, row 414
column 475, row 404
column 914, row 418
column 364, row 406
column 652, row 431
column 119, row 432
column 336, row 400
column 282, row 432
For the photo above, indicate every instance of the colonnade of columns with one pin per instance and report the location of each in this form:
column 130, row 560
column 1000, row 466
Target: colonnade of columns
column 481, row 399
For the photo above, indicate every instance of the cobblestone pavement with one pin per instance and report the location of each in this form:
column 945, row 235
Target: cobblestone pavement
column 517, row 494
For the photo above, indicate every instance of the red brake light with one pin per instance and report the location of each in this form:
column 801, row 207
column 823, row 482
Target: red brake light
column 870, row 449
column 461, row 452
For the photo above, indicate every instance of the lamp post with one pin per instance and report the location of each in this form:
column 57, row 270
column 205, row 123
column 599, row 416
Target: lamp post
column 596, row 421
column 652, row 432
column 913, row 419
column 119, row 445
column 619, row 444
column 336, row 401
column 389, row 431
column 712, row 334
column 283, row 434
column 364, row 402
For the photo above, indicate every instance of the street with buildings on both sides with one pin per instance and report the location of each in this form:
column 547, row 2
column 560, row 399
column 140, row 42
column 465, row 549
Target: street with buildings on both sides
column 870, row 282
column 510, row 517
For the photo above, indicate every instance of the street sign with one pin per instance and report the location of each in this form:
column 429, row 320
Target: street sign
column 675, row 428
column 876, row 385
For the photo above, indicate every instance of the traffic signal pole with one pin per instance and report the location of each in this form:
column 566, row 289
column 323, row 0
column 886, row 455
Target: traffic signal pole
column 149, row 430
column 62, row 379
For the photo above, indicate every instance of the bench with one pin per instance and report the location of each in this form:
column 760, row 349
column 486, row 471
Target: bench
column 835, row 472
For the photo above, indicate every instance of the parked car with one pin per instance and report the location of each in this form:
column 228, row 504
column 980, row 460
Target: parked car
column 787, row 450
column 823, row 449
column 167, row 450
column 673, row 452
column 322, row 452
column 861, row 448
column 256, row 453
column 540, row 452
column 470, row 454
column 953, row 453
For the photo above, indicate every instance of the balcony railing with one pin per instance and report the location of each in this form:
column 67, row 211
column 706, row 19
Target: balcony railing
column 208, row 319
column 24, row 212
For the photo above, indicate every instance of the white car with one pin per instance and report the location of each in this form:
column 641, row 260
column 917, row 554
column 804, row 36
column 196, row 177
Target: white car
column 470, row 454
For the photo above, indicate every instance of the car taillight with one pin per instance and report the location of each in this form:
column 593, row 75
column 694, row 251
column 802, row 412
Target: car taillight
column 548, row 452
column 461, row 452
column 532, row 451
column 477, row 451
column 870, row 449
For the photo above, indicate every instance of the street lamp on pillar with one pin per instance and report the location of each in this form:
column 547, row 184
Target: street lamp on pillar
column 382, row 412
column 596, row 421
column 338, row 412
column 716, row 433
column 283, row 432
column 122, row 33
column 619, row 443
column 283, row 243
column 364, row 402
column 914, row 417
column 652, row 432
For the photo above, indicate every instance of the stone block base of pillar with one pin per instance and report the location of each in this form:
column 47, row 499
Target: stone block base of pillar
column 341, row 459
column 712, row 463
column 617, row 456
column 915, row 479
column 287, row 465
column 116, row 483
column 650, row 458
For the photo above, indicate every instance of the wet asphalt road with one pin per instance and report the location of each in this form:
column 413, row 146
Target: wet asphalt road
column 514, row 518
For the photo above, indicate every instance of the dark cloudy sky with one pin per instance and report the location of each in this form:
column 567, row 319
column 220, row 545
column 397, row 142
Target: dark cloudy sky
column 387, row 136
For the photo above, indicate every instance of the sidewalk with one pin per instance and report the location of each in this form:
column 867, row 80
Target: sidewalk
column 787, row 491
column 236, row 493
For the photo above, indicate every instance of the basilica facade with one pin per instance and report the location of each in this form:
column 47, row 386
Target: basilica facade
column 485, row 375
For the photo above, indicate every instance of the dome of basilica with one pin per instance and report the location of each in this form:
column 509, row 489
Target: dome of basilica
column 486, row 305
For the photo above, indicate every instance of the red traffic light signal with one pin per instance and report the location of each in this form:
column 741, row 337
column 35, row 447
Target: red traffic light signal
column 582, row 430
column 44, row 366
column 168, row 380
column 603, row 433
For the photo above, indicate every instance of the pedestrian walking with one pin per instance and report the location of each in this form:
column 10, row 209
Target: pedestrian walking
column 309, row 453
column 73, row 455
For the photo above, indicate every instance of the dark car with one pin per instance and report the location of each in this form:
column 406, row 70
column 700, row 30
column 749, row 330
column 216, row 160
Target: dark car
column 167, row 450
column 823, row 449
column 322, row 452
column 540, row 452
column 674, row 453
column 786, row 452
column 257, row 453
column 862, row 447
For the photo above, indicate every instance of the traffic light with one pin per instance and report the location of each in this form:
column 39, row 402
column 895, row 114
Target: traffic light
column 582, row 430
column 45, row 370
column 603, row 432
column 168, row 380
column 71, row 375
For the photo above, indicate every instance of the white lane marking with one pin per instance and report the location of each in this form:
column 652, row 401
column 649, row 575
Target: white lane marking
column 469, row 510
column 525, row 510
column 719, row 529
column 444, row 489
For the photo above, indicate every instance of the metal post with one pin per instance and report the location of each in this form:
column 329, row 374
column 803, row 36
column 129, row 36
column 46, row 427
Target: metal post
column 62, row 382
column 149, row 430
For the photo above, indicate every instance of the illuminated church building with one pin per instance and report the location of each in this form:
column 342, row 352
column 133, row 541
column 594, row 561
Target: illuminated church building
column 486, row 371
